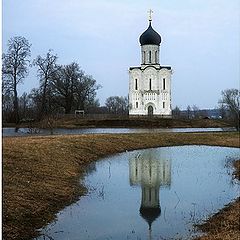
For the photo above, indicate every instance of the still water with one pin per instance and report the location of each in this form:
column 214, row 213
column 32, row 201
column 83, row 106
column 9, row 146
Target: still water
column 59, row 131
column 149, row 194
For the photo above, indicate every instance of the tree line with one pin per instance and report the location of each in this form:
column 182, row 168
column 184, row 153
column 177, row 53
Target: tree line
column 62, row 88
column 65, row 88
column 228, row 108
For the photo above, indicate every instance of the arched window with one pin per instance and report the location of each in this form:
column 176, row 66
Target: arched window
column 136, row 84
column 136, row 104
column 163, row 104
column 156, row 56
column 150, row 56
column 144, row 57
column 150, row 84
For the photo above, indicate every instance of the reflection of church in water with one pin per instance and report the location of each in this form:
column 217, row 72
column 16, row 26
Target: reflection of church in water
column 151, row 170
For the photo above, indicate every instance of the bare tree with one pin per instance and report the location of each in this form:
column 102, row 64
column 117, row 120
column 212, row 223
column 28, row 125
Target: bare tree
column 176, row 112
column 86, row 90
column 117, row 105
column 47, row 67
column 222, row 110
column 65, row 83
column 73, row 89
column 189, row 111
column 7, row 107
column 195, row 110
column 23, row 105
column 15, row 68
column 230, row 99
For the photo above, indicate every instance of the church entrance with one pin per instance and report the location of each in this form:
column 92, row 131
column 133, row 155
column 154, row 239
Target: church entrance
column 150, row 111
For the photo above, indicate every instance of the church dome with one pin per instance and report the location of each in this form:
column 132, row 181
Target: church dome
column 150, row 214
column 150, row 36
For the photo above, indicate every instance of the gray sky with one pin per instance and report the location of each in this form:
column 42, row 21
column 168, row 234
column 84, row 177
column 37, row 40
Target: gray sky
column 200, row 40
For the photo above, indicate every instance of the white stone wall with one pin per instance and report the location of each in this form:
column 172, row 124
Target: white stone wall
column 143, row 97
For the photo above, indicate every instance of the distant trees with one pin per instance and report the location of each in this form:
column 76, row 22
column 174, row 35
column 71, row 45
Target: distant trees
column 222, row 111
column 230, row 100
column 117, row 105
column 176, row 112
column 195, row 111
column 14, row 69
column 62, row 88
column 189, row 115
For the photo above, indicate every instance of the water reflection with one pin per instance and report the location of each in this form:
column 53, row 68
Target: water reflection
column 149, row 194
column 61, row 131
column 151, row 170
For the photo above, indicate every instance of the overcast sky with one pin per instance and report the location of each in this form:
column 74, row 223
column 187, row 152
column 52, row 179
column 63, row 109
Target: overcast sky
column 200, row 40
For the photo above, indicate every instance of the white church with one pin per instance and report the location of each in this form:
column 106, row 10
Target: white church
column 150, row 83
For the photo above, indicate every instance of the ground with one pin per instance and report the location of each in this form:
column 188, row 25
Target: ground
column 124, row 121
column 41, row 174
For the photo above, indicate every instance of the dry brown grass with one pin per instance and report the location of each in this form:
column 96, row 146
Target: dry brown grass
column 224, row 224
column 236, row 173
column 41, row 174
column 74, row 122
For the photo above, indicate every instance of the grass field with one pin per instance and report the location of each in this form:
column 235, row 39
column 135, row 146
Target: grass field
column 125, row 121
column 41, row 174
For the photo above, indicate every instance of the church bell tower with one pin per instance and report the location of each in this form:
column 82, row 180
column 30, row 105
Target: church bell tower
column 150, row 84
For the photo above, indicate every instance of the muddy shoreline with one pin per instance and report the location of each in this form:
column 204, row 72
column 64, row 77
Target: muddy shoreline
column 224, row 224
column 41, row 174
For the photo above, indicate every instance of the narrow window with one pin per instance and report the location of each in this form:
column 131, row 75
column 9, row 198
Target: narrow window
column 150, row 84
column 164, row 84
column 136, row 84
column 150, row 57
column 156, row 195
column 136, row 104
column 163, row 105
column 150, row 195
column 144, row 57
column 156, row 56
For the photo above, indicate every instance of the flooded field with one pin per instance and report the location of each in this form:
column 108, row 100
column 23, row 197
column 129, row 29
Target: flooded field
column 149, row 194
column 62, row 131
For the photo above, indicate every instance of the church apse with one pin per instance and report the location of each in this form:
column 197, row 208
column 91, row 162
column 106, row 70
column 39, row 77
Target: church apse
column 151, row 170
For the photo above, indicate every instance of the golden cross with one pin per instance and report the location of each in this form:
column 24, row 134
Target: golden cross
column 150, row 14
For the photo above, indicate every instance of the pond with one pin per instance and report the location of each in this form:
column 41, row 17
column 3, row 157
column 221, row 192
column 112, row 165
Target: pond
column 59, row 131
column 153, row 194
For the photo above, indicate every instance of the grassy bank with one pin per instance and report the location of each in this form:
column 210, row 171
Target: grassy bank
column 226, row 223
column 75, row 122
column 41, row 174
column 140, row 122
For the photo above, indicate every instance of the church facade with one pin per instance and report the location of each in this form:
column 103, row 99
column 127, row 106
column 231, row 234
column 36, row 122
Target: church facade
column 150, row 83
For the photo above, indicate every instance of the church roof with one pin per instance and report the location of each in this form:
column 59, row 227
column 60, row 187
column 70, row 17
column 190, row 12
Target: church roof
column 161, row 67
column 150, row 37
